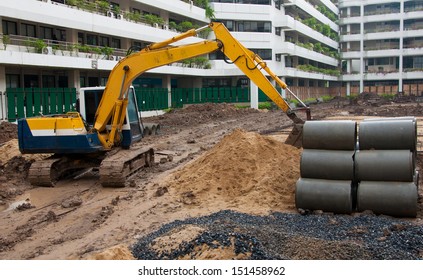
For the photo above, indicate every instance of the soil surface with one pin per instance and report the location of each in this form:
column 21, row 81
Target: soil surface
column 222, row 188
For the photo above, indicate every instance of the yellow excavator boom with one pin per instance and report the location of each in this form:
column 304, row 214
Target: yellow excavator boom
column 114, row 101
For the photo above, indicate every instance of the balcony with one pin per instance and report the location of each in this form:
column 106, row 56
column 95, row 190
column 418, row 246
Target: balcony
column 288, row 23
column 297, row 73
column 302, row 51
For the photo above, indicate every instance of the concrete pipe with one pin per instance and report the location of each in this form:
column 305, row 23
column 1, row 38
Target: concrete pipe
column 389, row 198
column 384, row 165
column 416, row 178
column 327, row 164
column 409, row 118
column 388, row 135
column 330, row 135
column 326, row 195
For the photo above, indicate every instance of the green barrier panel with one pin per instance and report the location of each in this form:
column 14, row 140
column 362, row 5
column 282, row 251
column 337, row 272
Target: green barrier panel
column 203, row 95
column 20, row 103
column 37, row 101
column 190, row 97
column 29, row 102
column 161, row 97
column 45, row 101
column 215, row 95
column 60, row 101
column 53, row 100
column 69, row 95
column 234, row 95
column 197, row 95
column 11, row 104
column 262, row 97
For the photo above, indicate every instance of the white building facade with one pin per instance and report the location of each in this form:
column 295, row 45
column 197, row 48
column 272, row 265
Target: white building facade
column 317, row 46
column 381, row 46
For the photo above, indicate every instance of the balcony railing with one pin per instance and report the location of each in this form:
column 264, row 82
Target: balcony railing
column 380, row 30
column 382, row 47
column 381, row 12
column 61, row 48
column 413, row 9
column 413, row 46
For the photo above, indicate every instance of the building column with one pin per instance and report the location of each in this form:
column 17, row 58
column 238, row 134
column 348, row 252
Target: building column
column 348, row 88
column 2, row 92
column 74, row 79
column 362, row 49
column 168, row 84
column 253, row 95
column 401, row 46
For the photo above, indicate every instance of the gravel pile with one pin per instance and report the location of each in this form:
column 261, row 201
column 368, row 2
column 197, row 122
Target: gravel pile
column 289, row 236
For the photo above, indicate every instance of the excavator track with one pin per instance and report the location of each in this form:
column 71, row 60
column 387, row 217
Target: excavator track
column 47, row 172
column 116, row 169
column 44, row 172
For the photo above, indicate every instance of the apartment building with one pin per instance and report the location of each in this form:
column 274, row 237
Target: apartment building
column 75, row 43
column 318, row 47
column 381, row 46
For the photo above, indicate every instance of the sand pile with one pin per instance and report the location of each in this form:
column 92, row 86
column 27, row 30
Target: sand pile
column 8, row 131
column 245, row 172
column 10, row 150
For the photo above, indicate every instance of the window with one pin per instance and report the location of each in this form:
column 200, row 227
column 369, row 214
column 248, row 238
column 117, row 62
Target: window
column 28, row 30
column 9, row 27
column 103, row 81
column 115, row 43
column 62, row 35
column 104, row 41
column 48, row 81
column 12, row 81
column 278, row 31
column 46, row 32
column 81, row 38
column 92, row 40
column 278, row 57
column 418, row 62
column 254, row 26
column 265, row 54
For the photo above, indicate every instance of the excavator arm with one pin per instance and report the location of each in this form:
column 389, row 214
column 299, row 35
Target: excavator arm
column 114, row 101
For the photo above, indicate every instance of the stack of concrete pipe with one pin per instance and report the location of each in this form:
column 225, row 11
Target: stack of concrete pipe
column 327, row 166
column 377, row 173
column 385, row 167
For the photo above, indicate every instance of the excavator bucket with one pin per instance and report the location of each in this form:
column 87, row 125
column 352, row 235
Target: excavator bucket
column 295, row 138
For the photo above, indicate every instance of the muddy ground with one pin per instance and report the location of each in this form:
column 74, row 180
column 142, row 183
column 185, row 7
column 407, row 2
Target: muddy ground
column 222, row 188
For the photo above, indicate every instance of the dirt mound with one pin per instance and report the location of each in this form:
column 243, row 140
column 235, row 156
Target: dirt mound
column 202, row 113
column 245, row 171
column 118, row 252
column 8, row 131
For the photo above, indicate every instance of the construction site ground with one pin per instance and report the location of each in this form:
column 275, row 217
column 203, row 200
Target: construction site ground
column 223, row 187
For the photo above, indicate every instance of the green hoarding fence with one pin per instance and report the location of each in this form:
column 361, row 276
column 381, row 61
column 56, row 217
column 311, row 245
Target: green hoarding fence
column 29, row 102
column 151, row 98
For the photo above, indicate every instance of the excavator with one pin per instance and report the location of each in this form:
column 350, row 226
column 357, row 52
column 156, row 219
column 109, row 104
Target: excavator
column 105, row 141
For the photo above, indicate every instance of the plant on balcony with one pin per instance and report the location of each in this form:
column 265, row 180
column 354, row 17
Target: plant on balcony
column 318, row 47
column 311, row 68
column 37, row 44
column 153, row 19
column 173, row 25
column 107, row 51
column 103, row 6
column 197, row 62
column 186, row 25
column 6, row 41
column 133, row 16
column 209, row 12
